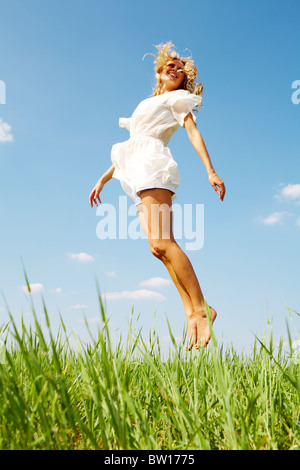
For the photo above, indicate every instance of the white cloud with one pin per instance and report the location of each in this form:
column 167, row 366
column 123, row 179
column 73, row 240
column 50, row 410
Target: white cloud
column 89, row 320
column 155, row 282
column 58, row 290
column 298, row 222
column 111, row 274
column 81, row 257
column 291, row 192
column 168, row 339
column 134, row 295
column 76, row 307
column 34, row 288
column 274, row 218
column 296, row 345
column 5, row 135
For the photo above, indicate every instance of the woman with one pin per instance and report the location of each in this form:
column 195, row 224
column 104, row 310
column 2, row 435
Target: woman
column 149, row 175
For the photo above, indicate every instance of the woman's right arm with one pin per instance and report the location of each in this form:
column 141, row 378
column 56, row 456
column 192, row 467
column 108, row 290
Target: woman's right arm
column 99, row 186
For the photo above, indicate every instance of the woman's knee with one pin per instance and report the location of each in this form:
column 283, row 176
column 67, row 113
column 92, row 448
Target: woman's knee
column 159, row 248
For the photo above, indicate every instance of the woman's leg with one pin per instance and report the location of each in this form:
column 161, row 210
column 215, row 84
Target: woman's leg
column 187, row 303
column 156, row 205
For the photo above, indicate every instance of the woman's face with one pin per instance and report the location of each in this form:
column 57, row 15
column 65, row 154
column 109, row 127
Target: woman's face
column 172, row 75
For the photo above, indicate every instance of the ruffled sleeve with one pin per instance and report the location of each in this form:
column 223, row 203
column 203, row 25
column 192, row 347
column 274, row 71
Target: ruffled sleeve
column 124, row 122
column 182, row 102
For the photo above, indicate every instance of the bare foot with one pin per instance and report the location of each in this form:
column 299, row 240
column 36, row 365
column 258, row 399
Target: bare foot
column 198, row 329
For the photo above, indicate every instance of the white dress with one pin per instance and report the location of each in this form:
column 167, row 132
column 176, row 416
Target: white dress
column 144, row 161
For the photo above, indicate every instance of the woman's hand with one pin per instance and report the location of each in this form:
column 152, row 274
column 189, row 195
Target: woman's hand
column 199, row 145
column 217, row 184
column 99, row 186
column 95, row 193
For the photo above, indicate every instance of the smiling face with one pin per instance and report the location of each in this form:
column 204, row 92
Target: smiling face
column 172, row 76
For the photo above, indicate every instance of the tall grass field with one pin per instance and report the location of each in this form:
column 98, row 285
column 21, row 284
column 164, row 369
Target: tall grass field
column 130, row 396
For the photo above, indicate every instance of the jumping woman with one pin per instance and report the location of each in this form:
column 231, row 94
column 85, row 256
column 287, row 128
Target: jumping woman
column 149, row 175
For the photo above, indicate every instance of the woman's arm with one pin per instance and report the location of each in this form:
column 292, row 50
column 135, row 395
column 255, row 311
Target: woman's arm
column 107, row 175
column 199, row 145
column 99, row 186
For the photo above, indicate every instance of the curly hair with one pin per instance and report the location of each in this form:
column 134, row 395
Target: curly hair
column 166, row 53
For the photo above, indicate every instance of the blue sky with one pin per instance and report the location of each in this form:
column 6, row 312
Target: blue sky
column 71, row 69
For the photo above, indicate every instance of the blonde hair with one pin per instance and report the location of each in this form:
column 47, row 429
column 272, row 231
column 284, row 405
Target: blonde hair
column 167, row 53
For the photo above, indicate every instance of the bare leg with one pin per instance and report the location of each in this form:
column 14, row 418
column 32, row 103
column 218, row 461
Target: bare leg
column 187, row 303
column 164, row 247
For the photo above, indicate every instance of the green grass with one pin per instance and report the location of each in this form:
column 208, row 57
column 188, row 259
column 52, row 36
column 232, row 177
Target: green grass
column 130, row 396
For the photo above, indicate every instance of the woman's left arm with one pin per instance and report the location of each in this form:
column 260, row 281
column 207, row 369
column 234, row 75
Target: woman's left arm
column 199, row 145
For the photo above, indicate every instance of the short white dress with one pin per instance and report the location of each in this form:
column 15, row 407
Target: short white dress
column 144, row 161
